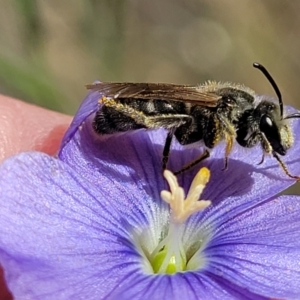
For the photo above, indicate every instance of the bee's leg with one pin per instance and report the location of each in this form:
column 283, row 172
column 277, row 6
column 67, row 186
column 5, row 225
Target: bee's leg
column 268, row 149
column 171, row 122
column 166, row 150
column 229, row 145
column 218, row 126
column 193, row 163
column 262, row 159
column 284, row 167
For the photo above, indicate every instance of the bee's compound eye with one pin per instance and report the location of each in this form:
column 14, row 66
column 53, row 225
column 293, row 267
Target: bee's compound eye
column 273, row 135
column 269, row 121
column 266, row 122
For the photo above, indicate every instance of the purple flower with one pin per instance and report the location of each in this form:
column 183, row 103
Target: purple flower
column 91, row 224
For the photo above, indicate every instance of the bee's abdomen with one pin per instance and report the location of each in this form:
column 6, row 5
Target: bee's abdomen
column 108, row 120
column 155, row 107
column 121, row 115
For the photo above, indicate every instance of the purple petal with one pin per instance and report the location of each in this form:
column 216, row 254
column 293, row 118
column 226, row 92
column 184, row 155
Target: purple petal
column 57, row 230
column 60, row 236
column 129, row 159
column 259, row 249
column 183, row 286
column 88, row 106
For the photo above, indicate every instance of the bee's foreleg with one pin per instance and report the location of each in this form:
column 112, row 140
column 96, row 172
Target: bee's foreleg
column 284, row 167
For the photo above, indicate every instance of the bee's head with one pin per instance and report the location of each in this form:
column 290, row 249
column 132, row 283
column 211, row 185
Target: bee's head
column 272, row 124
column 276, row 131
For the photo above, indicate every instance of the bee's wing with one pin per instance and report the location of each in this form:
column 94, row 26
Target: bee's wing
column 151, row 91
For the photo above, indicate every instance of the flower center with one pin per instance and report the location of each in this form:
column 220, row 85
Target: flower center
column 169, row 256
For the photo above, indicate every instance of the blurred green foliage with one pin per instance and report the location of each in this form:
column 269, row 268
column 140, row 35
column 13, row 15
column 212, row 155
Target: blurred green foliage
column 50, row 49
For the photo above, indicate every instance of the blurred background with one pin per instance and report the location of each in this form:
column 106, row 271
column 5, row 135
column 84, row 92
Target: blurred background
column 49, row 50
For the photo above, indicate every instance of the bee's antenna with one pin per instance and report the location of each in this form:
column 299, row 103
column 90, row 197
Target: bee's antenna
column 273, row 83
column 293, row 116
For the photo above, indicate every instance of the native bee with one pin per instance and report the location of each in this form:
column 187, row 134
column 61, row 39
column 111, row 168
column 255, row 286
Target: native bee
column 206, row 113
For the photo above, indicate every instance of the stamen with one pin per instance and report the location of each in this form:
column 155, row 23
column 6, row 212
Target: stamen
column 169, row 256
column 182, row 208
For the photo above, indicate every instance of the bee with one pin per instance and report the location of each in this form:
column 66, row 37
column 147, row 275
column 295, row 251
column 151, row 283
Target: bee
column 207, row 113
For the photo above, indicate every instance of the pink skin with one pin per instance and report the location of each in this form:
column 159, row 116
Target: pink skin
column 25, row 127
